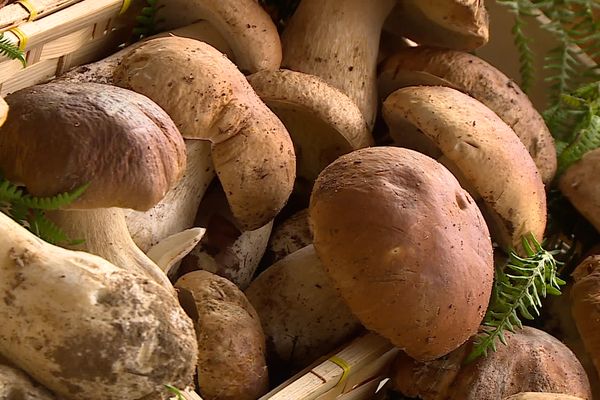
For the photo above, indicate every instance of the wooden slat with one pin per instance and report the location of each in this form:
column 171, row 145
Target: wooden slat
column 15, row 14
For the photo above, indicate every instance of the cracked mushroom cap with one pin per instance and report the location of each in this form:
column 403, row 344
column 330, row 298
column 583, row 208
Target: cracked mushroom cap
column 322, row 121
column 533, row 361
column 580, row 183
column 61, row 136
column 471, row 75
column 480, row 149
column 3, row 111
column 209, row 98
column 406, row 247
column 453, row 24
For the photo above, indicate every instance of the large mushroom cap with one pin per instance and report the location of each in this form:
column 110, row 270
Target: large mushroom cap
column 483, row 152
column 580, row 183
column 480, row 80
column 454, row 24
column 406, row 247
column 61, row 136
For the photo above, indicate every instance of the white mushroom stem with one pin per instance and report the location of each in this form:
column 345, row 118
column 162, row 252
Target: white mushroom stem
column 177, row 210
column 338, row 40
column 106, row 235
column 168, row 252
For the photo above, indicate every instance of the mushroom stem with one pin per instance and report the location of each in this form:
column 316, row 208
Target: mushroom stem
column 338, row 41
column 106, row 235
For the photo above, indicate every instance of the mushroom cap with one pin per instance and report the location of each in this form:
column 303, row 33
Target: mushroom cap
column 15, row 384
column 533, row 361
column 483, row 152
column 322, row 121
column 291, row 235
column 3, row 111
column 480, row 80
column 406, row 247
column 454, row 24
column 541, row 396
column 580, row 183
column 61, row 136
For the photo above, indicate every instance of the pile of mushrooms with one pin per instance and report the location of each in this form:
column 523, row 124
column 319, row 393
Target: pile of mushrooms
column 255, row 199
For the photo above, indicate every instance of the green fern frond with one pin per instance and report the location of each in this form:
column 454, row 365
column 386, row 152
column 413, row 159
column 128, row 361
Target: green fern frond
column 54, row 202
column 8, row 49
column 147, row 20
column 175, row 391
column 518, row 292
column 9, row 192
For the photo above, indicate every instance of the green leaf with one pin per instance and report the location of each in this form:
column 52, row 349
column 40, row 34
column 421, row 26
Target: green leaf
column 8, row 49
column 175, row 391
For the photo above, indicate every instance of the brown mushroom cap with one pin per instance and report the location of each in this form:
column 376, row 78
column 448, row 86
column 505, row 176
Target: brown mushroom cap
column 61, row 136
column 580, row 183
column 483, row 152
column 209, row 98
column 231, row 343
column 480, row 80
column 406, row 247
column 454, row 24
column 533, row 361
column 289, row 236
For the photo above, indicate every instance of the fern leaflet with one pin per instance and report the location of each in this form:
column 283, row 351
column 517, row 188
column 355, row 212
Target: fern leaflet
column 8, row 49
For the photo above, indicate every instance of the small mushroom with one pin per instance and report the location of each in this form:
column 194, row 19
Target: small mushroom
column 209, row 99
column 338, row 41
column 405, row 246
column 533, row 361
column 244, row 24
column 16, row 385
column 480, row 149
column 580, row 183
column 231, row 343
column 480, row 80
column 302, row 315
column 64, row 135
column 289, row 236
column 454, row 24
column 322, row 121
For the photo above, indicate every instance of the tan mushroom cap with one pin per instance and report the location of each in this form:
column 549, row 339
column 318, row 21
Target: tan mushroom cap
column 580, row 183
column 322, row 121
column 533, row 361
column 480, row 80
column 406, row 247
column 454, row 24
column 61, row 136
column 208, row 98
column 483, row 152
column 245, row 25
column 3, row 111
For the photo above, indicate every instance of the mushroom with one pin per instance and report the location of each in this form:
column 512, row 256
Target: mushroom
column 291, row 235
column 532, row 361
column 480, row 149
column 301, row 314
column 322, row 121
column 209, row 99
column 541, row 396
column 225, row 250
column 338, row 40
column 231, row 343
column 406, row 247
column 245, row 25
column 580, row 183
column 85, row 328
column 454, row 24
column 16, row 385
column 585, row 305
column 3, row 111
column 480, row 80
column 177, row 210
column 64, row 135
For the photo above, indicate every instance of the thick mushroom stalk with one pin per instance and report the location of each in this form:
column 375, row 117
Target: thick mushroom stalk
column 209, row 98
column 85, row 328
column 338, row 40
column 65, row 135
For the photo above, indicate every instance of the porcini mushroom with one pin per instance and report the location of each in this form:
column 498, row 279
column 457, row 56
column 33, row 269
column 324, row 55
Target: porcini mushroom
column 580, row 183
column 542, row 396
column 64, row 135
column 3, row 111
column 533, row 361
column 85, row 328
column 289, row 236
column 471, row 75
column 322, row 121
column 209, row 99
column 244, row 24
column 302, row 315
column 480, row 149
column 15, row 384
column 337, row 41
column 416, row 268
column 454, row 24
column 231, row 343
